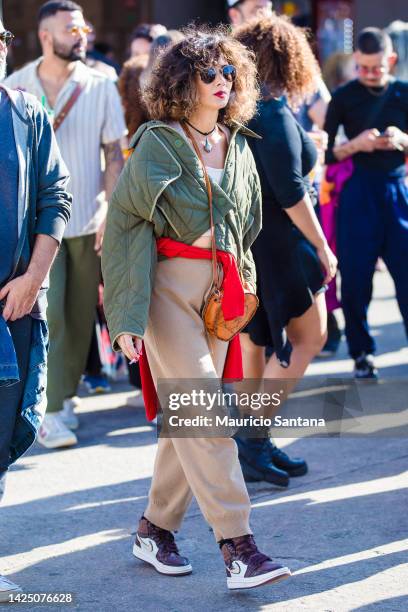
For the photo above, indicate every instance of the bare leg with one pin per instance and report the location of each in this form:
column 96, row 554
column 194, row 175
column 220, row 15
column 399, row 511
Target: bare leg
column 253, row 357
column 307, row 335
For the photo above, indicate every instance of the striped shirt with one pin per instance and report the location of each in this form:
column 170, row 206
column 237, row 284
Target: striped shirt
column 96, row 119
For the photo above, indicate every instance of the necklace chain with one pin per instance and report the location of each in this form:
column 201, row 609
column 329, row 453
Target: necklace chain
column 199, row 131
column 378, row 94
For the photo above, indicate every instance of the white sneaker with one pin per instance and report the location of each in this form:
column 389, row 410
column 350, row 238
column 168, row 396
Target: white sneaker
column 8, row 588
column 67, row 414
column 54, row 433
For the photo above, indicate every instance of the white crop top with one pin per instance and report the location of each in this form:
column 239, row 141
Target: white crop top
column 216, row 174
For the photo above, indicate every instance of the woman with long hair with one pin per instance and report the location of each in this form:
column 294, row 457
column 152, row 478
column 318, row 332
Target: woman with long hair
column 158, row 270
column 293, row 259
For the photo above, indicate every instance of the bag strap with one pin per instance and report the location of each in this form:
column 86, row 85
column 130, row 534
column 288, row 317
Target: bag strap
column 59, row 119
column 210, row 204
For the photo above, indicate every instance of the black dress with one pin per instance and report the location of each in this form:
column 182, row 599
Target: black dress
column 288, row 269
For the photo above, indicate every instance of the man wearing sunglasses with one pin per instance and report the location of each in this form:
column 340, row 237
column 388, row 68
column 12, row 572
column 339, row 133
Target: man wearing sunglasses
column 34, row 210
column 373, row 210
column 87, row 111
column 240, row 11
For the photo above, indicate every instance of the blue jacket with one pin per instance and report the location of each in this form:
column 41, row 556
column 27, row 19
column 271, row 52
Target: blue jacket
column 43, row 208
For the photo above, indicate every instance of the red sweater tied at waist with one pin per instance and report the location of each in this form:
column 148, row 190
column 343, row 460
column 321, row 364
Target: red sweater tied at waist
column 233, row 305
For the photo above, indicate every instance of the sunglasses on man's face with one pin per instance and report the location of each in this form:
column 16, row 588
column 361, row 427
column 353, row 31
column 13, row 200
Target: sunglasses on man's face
column 209, row 75
column 74, row 30
column 6, row 37
column 376, row 71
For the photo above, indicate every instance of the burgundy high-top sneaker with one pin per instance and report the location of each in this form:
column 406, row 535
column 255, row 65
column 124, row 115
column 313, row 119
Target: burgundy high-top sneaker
column 157, row 547
column 247, row 567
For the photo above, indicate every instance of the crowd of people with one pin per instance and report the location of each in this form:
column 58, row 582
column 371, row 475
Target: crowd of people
column 224, row 153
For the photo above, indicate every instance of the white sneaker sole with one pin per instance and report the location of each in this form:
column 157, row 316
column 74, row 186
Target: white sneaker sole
column 161, row 567
column 63, row 443
column 248, row 583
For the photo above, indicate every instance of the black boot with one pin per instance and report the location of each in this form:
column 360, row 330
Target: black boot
column 294, row 467
column 256, row 463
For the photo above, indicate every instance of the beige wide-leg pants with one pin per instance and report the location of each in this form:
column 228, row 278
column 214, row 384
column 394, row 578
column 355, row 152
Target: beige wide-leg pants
column 177, row 346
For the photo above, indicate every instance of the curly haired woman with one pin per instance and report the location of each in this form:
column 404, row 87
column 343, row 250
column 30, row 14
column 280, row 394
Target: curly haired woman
column 199, row 93
column 292, row 257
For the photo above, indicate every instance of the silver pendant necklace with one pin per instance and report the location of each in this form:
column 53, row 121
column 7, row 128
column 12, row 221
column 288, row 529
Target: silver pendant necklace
column 207, row 145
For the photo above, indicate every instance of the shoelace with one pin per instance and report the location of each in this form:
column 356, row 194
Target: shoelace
column 277, row 452
column 248, row 551
column 165, row 539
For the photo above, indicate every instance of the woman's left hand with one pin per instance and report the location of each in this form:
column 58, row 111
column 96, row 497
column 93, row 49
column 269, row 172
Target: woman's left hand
column 328, row 261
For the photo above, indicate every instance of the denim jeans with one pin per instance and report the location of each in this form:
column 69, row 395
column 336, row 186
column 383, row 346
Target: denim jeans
column 34, row 401
column 8, row 360
column 11, row 396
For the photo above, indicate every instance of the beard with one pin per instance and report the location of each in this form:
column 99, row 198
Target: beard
column 69, row 54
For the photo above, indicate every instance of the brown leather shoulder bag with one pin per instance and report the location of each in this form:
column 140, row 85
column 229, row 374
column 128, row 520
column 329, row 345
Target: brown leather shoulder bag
column 211, row 312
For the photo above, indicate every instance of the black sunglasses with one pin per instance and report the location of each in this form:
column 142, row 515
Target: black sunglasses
column 6, row 37
column 228, row 72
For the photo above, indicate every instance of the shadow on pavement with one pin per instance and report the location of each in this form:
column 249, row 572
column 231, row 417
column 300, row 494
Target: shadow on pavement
column 81, row 541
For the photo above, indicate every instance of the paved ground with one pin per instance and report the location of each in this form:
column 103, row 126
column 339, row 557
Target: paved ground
column 68, row 517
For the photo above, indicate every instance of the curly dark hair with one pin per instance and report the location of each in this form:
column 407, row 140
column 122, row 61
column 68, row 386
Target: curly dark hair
column 286, row 63
column 170, row 93
column 129, row 89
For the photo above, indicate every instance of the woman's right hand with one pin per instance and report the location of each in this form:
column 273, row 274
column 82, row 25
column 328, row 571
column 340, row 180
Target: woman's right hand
column 131, row 346
column 328, row 261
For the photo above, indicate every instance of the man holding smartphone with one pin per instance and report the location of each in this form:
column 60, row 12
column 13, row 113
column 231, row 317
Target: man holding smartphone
column 373, row 210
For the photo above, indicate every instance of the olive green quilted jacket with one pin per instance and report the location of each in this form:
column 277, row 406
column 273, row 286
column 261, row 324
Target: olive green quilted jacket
column 161, row 193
